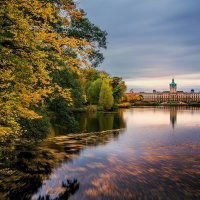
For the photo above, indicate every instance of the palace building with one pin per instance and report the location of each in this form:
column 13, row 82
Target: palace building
column 171, row 96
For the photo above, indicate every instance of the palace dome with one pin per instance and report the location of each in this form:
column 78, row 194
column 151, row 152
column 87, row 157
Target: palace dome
column 173, row 84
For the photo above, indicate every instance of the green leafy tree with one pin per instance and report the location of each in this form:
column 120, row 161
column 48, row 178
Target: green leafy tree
column 94, row 91
column 119, row 89
column 84, row 29
column 106, row 99
column 69, row 79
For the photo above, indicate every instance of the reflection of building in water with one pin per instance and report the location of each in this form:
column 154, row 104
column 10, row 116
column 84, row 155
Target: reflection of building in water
column 171, row 96
column 190, row 108
column 174, row 110
column 173, row 116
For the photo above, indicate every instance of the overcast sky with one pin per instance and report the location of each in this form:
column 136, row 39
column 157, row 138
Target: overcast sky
column 150, row 41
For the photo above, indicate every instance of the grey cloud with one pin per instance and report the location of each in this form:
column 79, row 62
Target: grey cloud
column 148, row 38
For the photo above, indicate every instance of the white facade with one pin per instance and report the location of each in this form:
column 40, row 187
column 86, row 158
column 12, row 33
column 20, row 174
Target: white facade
column 171, row 96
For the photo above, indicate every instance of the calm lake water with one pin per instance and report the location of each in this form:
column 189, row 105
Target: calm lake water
column 137, row 153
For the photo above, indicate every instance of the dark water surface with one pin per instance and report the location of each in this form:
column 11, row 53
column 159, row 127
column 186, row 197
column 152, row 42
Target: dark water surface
column 152, row 153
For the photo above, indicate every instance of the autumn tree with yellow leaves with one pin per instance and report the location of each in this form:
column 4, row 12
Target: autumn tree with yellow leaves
column 39, row 38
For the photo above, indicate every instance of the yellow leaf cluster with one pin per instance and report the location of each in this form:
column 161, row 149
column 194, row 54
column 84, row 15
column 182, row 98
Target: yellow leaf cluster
column 31, row 48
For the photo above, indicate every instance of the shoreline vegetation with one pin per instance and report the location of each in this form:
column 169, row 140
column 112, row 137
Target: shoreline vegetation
column 97, row 108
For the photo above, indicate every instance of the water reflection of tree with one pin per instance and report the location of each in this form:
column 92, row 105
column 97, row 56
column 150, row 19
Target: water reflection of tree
column 21, row 174
column 24, row 166
column 101, row 121
column 89, row 122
